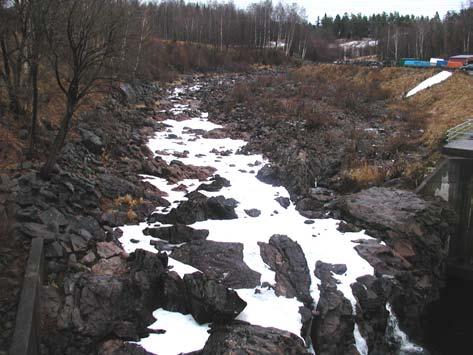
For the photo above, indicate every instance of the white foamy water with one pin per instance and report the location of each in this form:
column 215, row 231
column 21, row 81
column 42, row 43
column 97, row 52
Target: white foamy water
column 319, row 241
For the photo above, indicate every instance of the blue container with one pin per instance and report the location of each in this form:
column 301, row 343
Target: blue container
column 418, row 64
column 442, row 63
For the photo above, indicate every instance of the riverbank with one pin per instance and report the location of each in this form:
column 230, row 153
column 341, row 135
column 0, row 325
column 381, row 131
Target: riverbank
column 96, row 290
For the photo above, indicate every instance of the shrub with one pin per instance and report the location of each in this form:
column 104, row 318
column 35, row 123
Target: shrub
column 240, row 93
column 365, row 175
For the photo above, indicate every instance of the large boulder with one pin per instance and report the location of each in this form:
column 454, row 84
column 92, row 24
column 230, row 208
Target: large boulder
column 220, row 261
column 98, row 306
column 217, row 184
column 211, row 301
column 287, row 259
column 416, row 234
column 244, row 338
column 334, row 323
column 269, row 174
column 371, row 313
column 200, row 208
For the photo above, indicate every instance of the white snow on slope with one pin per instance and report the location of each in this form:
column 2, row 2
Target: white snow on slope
column 436, row 79
column 359, row 44
column 319, row 241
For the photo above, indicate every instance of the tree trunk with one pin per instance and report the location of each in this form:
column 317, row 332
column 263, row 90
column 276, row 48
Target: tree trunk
column 34, row 108
column 48, row 167
column 14, row 102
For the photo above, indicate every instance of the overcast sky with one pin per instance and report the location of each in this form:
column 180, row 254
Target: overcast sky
column 333, row 7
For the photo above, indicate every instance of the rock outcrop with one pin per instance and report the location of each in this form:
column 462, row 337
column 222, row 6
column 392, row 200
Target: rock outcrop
column 179, row 233
column 200, row 208
column 416, row 234
column 219, row 261
column 286, row 258
column 244, row 338
column 334, row 315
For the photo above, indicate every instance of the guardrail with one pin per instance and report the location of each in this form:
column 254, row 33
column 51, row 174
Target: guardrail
column 26, row 338
column 462, row 131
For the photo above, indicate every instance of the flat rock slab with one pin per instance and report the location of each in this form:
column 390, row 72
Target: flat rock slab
column 220, row 261
column 176, row 234
column 244, row 338
column 108, row 249
column 384, row 208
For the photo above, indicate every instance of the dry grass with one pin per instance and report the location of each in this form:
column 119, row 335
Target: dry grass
column 449, row 104
column 127, row 200
column 365, row 175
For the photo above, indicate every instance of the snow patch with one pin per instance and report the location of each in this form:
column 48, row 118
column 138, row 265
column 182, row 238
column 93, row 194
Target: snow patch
column 319, row 241
column 182, row 332
column 436, row 79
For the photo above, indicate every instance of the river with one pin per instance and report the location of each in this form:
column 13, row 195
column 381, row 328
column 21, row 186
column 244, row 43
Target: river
column 319, row 239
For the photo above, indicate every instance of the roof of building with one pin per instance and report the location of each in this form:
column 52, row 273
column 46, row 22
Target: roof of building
column 462, row 56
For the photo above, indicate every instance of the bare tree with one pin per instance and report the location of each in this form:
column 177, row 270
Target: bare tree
column 83, row 42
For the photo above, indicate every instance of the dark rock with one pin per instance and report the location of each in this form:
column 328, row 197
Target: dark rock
column 334, row 318
column 322, row 194
column 220, row 261
column 253, row 212
column 283, row 201
column 119, row 347
column 211, row 301
column 287, row 259
column 78, row 243
column 200, row 208
column 54, row 250
column 382, row 258
column 91, row 141
column 345, row 227
column 244, row 338
column 416, row 234
column 108, row 249
column 177, row 234
column 371, row 313
column 217, row 184
column 175, row 298
column 28, row 214
column 113, row 186
column 269, row 174
column 94, row 303
column 114, row 219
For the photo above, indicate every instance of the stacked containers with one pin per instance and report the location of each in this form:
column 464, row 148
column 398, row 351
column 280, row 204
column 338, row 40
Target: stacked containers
column 417, row 64
column 402, row 62
column 454, row 64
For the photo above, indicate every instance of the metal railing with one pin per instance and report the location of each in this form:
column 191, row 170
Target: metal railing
column 462, row 131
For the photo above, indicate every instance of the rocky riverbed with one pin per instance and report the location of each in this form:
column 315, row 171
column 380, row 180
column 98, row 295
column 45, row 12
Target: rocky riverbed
column 161, row 223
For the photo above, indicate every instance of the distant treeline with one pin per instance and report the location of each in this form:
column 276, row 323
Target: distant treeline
column 267, row 24
column 405, row 36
